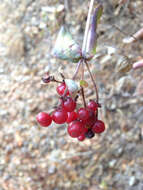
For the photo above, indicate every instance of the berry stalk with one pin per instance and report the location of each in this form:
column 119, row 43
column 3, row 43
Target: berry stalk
column 83, row 97
column 77, row 69
column 91, row 76
column 82, row 76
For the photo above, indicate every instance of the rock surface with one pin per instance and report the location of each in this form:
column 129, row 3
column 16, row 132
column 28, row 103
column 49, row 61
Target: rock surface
column 35, row 158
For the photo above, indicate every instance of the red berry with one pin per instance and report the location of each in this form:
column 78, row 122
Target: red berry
column 92, row 105
column 69, row 104
column 81, row 137
column 44, row 119
column 84, row 130
column 91, row 119
column 71, row 116
column 98, row 127
column 61, row 88
column 83, row 114
column 75, row 129
column 59, row 116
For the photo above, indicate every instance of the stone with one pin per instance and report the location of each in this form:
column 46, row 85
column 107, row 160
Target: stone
column 132, row 181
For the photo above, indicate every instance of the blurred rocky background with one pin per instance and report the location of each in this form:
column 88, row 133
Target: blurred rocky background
column 35, row 158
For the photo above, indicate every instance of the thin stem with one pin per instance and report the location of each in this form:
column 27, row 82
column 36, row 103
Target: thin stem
column 63, row 77
column 83, row 97
column 82, row 75
column 97, row 97
column 124, row 32
column 57, row 81
column 87, row 27
column 77, row 69
column 65, row 92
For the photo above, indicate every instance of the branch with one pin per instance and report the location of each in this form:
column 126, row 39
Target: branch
column 77, row 69
column 97, row 97
column 87, row 27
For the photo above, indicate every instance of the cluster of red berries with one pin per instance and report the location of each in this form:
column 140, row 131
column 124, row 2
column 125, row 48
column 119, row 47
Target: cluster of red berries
column 82, row 123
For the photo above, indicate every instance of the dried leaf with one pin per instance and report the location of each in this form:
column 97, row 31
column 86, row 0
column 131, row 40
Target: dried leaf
column 124, row 65
column 92, row 37
column 66, row 48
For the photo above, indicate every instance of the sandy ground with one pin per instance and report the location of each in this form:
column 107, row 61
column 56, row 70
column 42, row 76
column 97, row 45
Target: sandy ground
column 35, row 158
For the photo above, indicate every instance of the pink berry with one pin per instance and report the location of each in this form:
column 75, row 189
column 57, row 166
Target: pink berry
column 98, row 127
column 59, row 116
column 71, row 116
column 81, row 137
column 69, row 104
column 83, row 114
column 61, row 88
column 92, row 105
column 75, row 129
column 44, row 119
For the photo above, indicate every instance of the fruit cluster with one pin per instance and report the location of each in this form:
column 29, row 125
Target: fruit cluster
column 82, row 123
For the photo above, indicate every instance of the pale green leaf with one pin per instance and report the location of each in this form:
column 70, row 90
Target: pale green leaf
column 66, row 48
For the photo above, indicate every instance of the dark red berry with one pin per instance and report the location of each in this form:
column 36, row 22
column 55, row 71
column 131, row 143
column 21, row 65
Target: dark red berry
column 59, row 116
column 61, row 88
column 81, row 137
column 98, row 127
column 83, row 114
column 92, row 105
column 69, row 104
column 75, row 129
column 47, row 78
column 89, row 134
column 71, row 116
column 44, row 119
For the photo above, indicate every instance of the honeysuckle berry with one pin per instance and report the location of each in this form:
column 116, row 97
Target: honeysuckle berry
column 90, row 134
column 98, row 127
column 69, row 104
column 92, row 105
column 83, row 114
column 81, row 137
column 71, row 116
column 61, row 89
column 90, row 120
column 44, row 119
column 75, row 129
column 47, row 79
column 84, row 130
column 59, row 116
